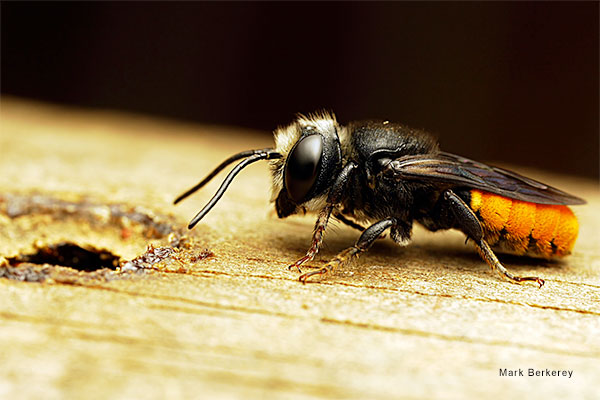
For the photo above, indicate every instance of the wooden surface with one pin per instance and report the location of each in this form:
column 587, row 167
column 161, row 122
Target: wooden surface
column 222, row 317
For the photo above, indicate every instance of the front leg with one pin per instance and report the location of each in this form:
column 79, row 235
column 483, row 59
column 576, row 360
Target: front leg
column 364, row 242
column 317, row 237
column 333, row 199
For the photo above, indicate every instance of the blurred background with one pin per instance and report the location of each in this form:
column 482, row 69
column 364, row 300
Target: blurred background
column 509, row 82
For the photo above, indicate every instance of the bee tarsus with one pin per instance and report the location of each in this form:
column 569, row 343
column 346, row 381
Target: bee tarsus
column 317, row 238
column 488, row 255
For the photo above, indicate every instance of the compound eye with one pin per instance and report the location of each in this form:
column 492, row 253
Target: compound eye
column 303, row 166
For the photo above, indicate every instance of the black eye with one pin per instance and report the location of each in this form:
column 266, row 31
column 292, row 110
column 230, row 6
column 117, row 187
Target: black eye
column 302, row 166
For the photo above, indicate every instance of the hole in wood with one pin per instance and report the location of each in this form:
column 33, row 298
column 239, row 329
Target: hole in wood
column 70, row 255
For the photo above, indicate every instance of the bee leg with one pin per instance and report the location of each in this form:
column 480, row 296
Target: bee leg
column 363, row 243
column 334, row 197
column 488, row 255
column 467, row 221
column 317, row 237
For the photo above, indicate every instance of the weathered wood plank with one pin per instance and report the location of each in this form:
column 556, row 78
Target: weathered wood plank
column 426, row 321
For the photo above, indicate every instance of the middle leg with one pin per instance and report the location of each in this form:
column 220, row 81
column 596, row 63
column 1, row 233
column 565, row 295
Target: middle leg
column 363, row 243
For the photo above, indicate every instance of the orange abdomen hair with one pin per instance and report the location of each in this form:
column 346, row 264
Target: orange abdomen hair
column 525, row 228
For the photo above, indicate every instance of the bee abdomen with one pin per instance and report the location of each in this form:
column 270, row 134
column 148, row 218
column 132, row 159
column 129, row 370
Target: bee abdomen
column 525, row 228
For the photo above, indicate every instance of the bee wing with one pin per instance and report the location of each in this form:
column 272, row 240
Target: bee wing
column 462, row 172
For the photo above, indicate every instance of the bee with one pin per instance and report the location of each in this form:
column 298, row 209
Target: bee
column 378, row 176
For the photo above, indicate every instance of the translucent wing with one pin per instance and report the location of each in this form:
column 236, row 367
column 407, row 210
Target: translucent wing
column 462, row 172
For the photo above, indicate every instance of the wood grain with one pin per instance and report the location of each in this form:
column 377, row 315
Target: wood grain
column 426, row 321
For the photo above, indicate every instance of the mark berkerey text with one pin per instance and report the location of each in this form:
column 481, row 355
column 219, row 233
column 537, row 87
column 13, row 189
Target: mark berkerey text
column 536, row 372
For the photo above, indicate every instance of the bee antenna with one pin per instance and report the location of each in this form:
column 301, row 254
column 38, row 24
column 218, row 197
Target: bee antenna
column 257, row 155
column 219, row 168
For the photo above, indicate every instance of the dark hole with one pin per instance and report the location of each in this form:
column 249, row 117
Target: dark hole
column 70, row 255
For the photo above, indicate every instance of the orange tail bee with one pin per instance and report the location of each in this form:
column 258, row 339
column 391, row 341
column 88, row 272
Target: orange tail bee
column 389, row 176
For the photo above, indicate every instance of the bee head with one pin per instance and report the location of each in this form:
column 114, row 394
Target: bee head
column 311, row 158
column 305, row 161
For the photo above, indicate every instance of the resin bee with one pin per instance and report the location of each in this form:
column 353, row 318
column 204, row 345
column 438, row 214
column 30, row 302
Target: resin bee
column 384, row 176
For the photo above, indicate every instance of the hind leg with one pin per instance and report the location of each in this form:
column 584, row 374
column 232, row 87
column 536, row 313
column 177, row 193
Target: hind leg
column 467, row 221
